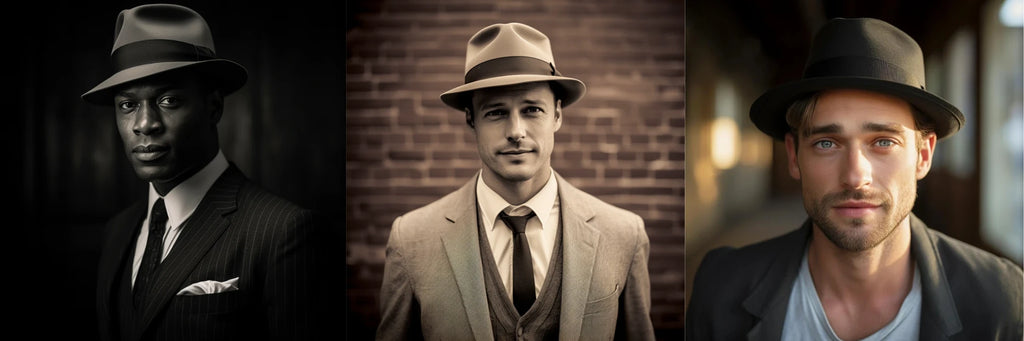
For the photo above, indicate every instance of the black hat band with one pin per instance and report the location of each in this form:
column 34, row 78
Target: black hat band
column 515, row 65
column 157, row 51
column 856, row 66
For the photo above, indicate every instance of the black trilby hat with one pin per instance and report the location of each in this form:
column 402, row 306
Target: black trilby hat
column 861, row 53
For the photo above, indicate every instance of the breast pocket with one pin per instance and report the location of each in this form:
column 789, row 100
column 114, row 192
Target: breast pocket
column 209, row 304
column 603, row 304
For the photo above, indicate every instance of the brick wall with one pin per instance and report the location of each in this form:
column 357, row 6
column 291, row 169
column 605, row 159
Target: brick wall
column 623, row 142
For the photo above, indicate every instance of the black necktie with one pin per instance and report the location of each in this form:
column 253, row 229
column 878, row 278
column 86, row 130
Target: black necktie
column 154, row 251
column 522, row 263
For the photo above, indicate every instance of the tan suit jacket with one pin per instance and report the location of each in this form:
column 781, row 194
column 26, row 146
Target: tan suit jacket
column 434, row 284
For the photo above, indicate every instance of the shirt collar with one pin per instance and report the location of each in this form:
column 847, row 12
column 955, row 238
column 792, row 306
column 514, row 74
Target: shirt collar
column 183, row 199
column 491, row 203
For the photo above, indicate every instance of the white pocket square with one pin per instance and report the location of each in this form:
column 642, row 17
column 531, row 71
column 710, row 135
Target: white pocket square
column 209, row 287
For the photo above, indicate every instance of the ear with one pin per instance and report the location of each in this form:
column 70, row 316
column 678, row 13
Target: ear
column 558, row 114
column 925, row 154
column 794, row 168
column 216, row 105
column 469, row 119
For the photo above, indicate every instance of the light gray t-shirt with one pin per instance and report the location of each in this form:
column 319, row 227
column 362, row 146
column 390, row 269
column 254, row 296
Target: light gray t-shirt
column 806, row 320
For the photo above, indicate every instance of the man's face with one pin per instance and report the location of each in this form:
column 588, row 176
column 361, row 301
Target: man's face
column 858, row 167
column 515, row 129
column 168, row 126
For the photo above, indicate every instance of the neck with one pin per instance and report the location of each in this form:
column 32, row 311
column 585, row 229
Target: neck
column 163, row 187
column 862, row 276
column 516, row 192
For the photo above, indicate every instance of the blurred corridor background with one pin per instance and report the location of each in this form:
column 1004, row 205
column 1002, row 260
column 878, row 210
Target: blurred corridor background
column 739, row 189
column 623, row 142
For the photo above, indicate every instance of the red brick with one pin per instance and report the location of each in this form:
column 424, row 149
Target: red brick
column 627, row 156
column 651, row 156
column 599, row 156
column 578, row 173
column 407, row 155
column 676, row 156
column 668, row 174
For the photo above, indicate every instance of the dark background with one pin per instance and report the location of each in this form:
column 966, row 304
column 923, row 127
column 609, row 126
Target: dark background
column 68, row 174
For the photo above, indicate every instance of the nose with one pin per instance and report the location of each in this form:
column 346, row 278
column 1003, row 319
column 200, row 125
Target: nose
column 147, row 121
column 857, row 173
column 514, row 129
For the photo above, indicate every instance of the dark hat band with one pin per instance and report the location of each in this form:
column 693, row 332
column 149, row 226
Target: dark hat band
column 857, row 66
column 515, row 65
column 156, row 51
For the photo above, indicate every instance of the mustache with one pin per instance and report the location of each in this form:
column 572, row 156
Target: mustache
column 149, row 148
column 863, row 195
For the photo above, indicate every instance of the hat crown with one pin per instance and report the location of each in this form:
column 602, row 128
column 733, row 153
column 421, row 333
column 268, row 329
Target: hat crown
column 162, row 22
column 865, row 40
column 507, row 40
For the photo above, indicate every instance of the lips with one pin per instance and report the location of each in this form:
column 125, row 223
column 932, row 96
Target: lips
column 149, row 153
column 515, row 151
column 855, row 208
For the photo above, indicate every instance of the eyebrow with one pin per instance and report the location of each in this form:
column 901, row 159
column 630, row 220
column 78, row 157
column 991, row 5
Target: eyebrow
column 894, row 128
column 501, row 104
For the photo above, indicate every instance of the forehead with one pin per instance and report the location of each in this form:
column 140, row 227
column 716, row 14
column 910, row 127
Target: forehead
column 859, row 106
column 536, row 92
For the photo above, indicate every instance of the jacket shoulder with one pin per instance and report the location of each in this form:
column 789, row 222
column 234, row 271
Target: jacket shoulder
column 982, row 283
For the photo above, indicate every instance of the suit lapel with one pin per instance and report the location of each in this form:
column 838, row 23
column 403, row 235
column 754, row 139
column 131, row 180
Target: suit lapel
column 770, row 298
column 462, row 246
column 201, row 231
column 939, row 318
column 111, row 264
column 579, row 249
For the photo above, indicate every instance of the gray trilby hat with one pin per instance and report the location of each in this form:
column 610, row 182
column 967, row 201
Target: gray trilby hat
column 153, row 39
column 861, row 53
column 508, row 54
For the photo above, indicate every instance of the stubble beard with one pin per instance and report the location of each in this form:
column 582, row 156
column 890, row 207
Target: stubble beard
column 853, row 236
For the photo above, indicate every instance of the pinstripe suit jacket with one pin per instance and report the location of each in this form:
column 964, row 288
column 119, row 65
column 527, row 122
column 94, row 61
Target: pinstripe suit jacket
column 434, row 283
column 238, row 230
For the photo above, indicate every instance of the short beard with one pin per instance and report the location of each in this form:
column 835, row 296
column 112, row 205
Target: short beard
column 850, row 240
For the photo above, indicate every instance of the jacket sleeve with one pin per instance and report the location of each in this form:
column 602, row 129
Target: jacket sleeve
column 289, row 286
column 634, row 322
column 399, row 308
column 698, row 323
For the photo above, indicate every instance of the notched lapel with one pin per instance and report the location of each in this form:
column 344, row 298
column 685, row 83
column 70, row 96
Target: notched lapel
column 769, row 300
column 579, row 250
column 200, row 233
column 462, row 246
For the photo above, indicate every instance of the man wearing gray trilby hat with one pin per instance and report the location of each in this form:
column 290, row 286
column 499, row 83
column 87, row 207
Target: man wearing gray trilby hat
column 860, row 129
column 209, row 255
column 517, row 252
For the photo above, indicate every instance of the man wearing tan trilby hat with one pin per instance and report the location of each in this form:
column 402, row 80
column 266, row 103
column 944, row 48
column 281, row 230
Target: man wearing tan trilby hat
column 517, row 252
column 209, row 255
column 860, row 130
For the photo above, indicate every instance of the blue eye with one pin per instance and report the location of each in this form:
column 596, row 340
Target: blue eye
column 885, row 143
column 824, row 144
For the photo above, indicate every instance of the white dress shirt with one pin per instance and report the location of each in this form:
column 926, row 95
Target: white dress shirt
column 540, row 231
column 180, row 202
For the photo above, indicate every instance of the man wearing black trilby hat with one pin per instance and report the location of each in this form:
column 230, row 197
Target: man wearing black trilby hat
column 860, row 129
column 517, row 253
column 209, row 255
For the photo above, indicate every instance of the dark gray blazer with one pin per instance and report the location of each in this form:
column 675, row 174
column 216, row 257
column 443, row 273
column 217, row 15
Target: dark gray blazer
column 968, row 294
column 238, row 230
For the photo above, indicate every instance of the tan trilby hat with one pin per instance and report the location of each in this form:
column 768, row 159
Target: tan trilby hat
column 153, row 39
column 508, row 54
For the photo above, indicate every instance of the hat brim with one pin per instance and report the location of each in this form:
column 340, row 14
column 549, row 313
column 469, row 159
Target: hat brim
column 768, row 113
column 228, row 75
column 461, row 97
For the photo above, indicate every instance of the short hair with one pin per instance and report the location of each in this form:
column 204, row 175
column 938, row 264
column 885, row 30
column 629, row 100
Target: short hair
column 799, row 112
column 556, row 89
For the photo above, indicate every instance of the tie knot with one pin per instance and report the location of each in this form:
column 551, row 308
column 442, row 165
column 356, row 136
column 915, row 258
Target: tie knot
column 516, row 223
